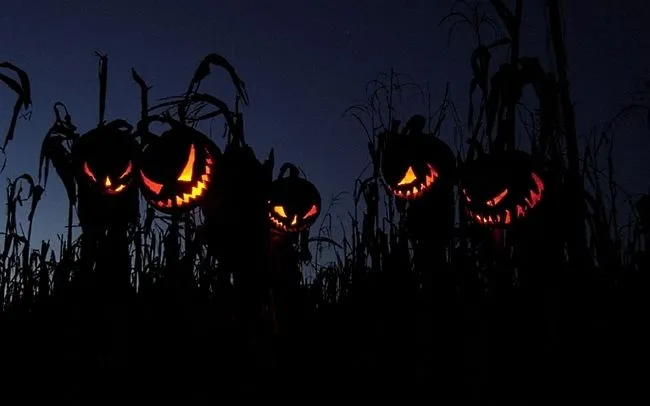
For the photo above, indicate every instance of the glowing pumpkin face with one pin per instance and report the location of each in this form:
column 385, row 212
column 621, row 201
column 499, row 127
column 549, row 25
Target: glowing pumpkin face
column 414, row 163
column 177, row 170
column 294, row 204
column 106, row 160
column 414, row 183
column 500, row 188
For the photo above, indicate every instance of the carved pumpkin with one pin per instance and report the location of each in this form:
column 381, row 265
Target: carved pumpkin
column 177, row 169
column 414, row 162
column 106, row 159
column 501, row 188
column 295, row 203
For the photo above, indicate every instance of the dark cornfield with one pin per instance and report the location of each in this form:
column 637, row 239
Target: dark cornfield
column 203, row 299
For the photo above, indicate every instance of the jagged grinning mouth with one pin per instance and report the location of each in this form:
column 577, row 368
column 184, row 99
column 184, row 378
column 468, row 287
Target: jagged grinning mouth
column 197, row 190
column 280, row 225
column 414, row 191
column 520, row 210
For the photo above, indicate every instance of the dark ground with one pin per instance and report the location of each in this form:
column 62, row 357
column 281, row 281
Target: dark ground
column 579, row 341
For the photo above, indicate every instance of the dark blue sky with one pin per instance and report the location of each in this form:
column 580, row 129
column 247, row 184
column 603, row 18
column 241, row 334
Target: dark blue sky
column 304, row 62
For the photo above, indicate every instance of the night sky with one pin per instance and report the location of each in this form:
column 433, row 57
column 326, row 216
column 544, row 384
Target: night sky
column 303, row 62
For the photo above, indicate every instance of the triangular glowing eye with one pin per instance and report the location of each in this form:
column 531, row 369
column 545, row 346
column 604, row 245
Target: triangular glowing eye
column 186, row 175
column 497, row 199
column 408, row 178
column 279, row 210
column 150, row 184
column 312, row 212
column 127, row 171
column 88, row 172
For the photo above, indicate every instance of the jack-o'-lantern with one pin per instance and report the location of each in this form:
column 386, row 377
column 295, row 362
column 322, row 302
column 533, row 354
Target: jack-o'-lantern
column 177, row 169
column 414, row 162
column 294, row 203
column 106, row 159
column 500, row 188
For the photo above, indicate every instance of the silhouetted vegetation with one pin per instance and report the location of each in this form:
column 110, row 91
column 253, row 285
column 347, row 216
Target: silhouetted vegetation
column 507, row 267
